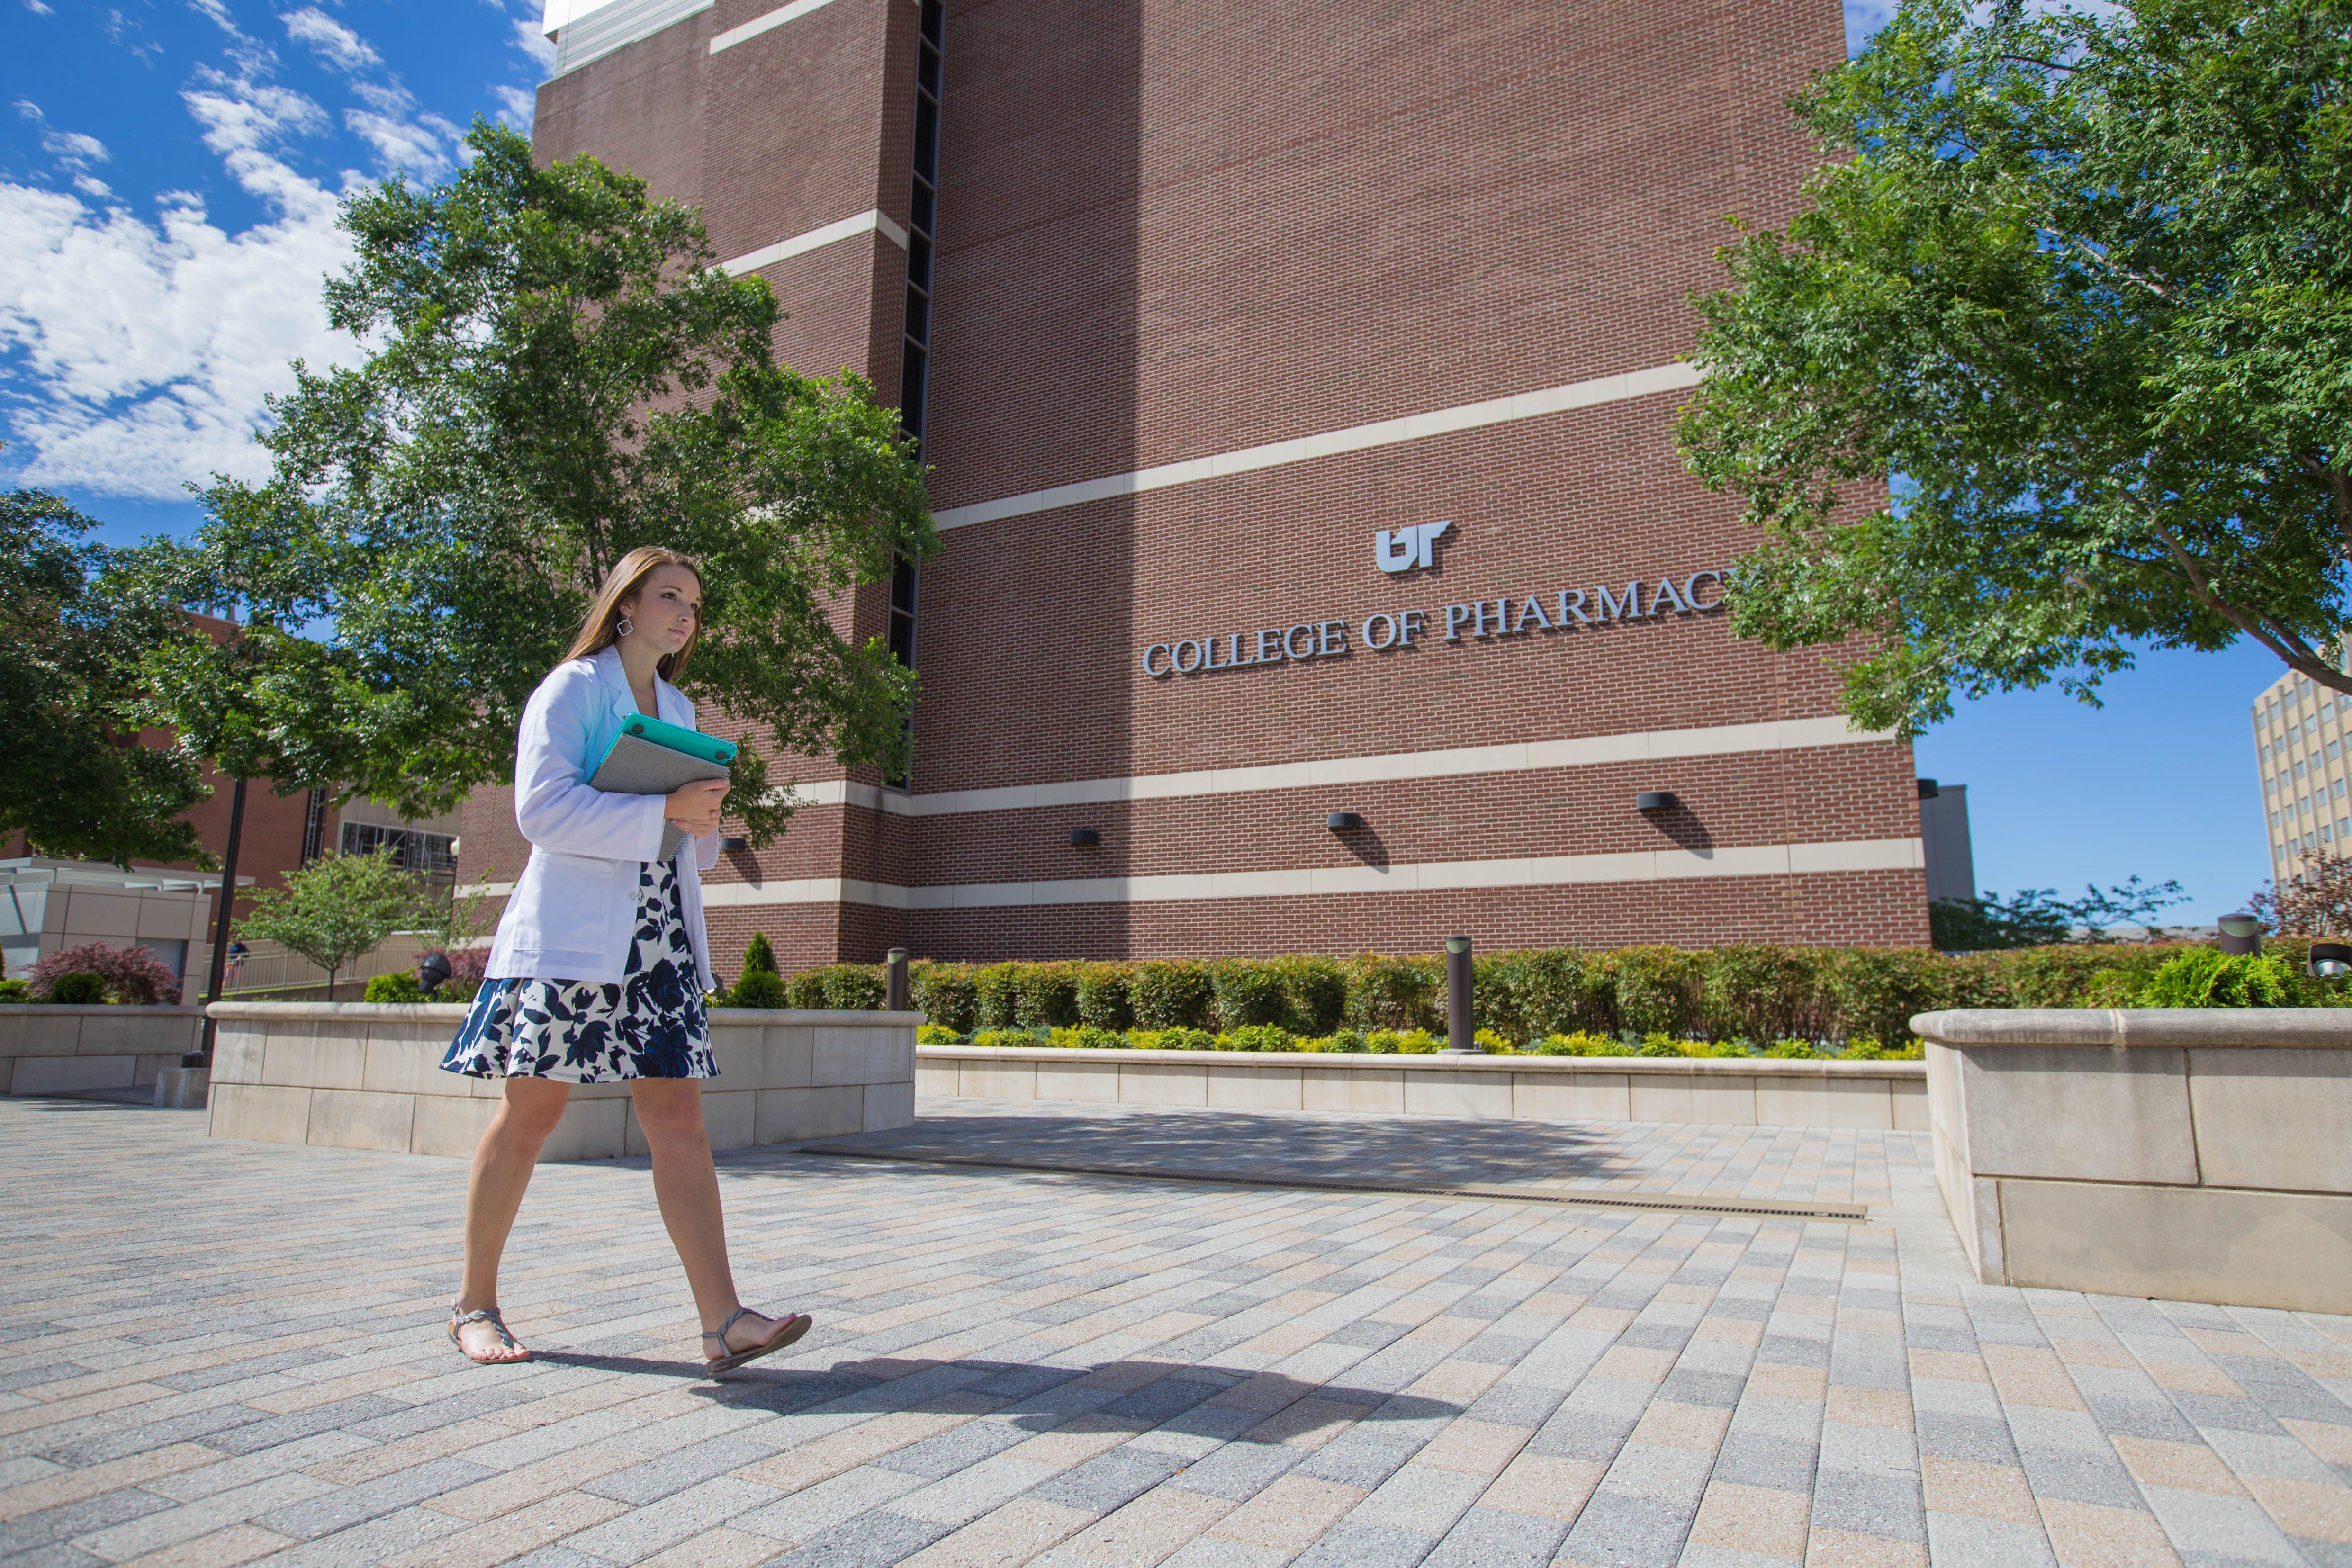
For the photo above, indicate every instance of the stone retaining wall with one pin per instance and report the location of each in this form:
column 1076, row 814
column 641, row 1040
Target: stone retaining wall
column 1756, row 1092
column 48, row 1049
column 353, row 1075
column 2199, row 1155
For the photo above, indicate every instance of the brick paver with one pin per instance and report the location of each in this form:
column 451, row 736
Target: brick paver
column 214, row 1352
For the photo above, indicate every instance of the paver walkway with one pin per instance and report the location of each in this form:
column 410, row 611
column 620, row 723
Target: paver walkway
column 217, row 1353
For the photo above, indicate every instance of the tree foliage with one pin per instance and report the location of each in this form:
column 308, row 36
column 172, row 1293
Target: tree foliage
column 2036, row 916
column 555, row 373
column 2316, row 901
column 336, row 909
column 2085, row 287
column 72, row 636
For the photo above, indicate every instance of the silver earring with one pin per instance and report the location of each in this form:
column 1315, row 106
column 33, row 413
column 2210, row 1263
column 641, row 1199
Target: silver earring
column 623, row 627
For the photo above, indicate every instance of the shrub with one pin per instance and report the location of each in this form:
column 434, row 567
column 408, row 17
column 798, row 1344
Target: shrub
column 1089, row 1037
column 1314, row 993
column 936, row 1035
column 1104, row 1002
column 997, row 1003
column 946, row 993
column 1549, row 992
column 467, row 965
column 1046, row 996
column 15, row 991
column 1392, row 993
column 1257, row 1037
column 1171, row 994
column 1764, row 992
column 1185, row 1039
column 765, row 988
column 128, row 974
column 398, row 986
column 1014, row 1038
column 1658, row 1046
column 1654, row 990
column 1344, row 1040
column 760, row 955
column 860, row 986
column 2202, row 977
column 1793, row 1050
column 76, row 988
column 1402, row 1042
column 1247, row 991
column 1581, row 1043
column 1877, row 990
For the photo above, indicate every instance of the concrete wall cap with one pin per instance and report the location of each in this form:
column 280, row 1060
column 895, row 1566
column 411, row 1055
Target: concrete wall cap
column 2121, row 1028
column 100, row 1010
column 455, row 1013
column 1361, row 1062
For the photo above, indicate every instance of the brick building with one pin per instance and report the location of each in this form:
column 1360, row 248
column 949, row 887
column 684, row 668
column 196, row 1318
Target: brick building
column 1299, row 387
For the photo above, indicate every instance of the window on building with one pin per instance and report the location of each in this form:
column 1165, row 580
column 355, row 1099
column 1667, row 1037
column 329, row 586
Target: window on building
column 428, row 853
column 915, row 366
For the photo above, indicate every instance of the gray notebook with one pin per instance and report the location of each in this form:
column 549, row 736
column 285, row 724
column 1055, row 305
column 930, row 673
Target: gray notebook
column 638, row 766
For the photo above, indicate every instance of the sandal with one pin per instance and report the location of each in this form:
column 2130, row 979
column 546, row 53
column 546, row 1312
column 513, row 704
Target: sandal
column 498, row 1325
column 789, row 1327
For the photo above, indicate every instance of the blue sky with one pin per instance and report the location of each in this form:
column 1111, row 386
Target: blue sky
column 169, row 171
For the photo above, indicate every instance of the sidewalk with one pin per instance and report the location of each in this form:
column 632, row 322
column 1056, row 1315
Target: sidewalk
column 215, row 1353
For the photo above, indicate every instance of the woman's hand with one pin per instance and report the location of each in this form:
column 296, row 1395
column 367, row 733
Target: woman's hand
column 695, row 808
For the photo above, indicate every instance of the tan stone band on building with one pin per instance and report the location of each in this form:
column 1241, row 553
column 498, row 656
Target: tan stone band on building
column 1674, row 377
column 1523, row 756
column 1421, row 876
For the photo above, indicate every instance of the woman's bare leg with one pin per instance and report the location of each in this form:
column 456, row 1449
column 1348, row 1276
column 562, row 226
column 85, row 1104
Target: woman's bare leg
column 686, row 1185
column 502, row 1166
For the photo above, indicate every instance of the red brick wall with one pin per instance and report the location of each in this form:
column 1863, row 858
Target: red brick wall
column 1167, row 231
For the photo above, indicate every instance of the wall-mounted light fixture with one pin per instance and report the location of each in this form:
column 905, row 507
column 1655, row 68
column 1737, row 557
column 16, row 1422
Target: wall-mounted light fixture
column 1338, row 821
column 1928, row 789
column 732, row 845
column 1654, row 800
column 1085, row 835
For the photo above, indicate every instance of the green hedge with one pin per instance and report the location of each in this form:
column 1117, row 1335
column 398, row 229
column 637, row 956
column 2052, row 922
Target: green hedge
column 1752, row 992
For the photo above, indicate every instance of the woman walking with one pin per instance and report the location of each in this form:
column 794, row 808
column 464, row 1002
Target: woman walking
column 599, row 964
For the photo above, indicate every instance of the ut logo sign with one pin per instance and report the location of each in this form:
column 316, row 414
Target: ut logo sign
column 1407, row 547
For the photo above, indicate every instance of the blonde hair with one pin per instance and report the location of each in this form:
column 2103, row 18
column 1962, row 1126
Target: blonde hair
column 626, row 580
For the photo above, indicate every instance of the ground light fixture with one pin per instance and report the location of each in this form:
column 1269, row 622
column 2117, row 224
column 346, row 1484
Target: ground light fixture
column 1083, row 837
column 431, row 972
column 1340, row 821
column 2241, row 933
column 2329, row 959
column 1654, row 800
column 1460, row 1039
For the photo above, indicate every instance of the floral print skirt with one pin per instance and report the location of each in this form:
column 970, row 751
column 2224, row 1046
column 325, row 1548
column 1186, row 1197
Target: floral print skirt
column 651, row 1024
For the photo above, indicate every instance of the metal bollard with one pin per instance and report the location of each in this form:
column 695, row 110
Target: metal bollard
column 894, row 993
column 1458, row 1032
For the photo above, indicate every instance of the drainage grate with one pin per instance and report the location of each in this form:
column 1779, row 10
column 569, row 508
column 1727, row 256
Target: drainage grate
column 1849, row 1213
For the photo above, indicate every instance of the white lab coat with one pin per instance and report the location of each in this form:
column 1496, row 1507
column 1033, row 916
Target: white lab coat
column 572, row 914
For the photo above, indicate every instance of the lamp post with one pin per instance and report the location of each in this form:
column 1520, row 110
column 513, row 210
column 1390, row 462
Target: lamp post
column 202, row 1056
column 1460, row 1039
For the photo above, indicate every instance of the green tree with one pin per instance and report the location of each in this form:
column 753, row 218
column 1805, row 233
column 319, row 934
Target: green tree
column 2037, row 917
column 336, row 909
column 555, row 373
column 72, row 636
column 2085, row 287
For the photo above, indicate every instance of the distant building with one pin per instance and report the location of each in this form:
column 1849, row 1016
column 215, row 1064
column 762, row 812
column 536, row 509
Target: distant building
column 2299, row 732
column 1944, row 834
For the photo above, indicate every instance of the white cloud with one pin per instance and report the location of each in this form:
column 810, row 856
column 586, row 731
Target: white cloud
column 139, row 353
column 330, row 40
column 71, row 148
column 415, row 146
column 37, row 9
column 517, row 105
